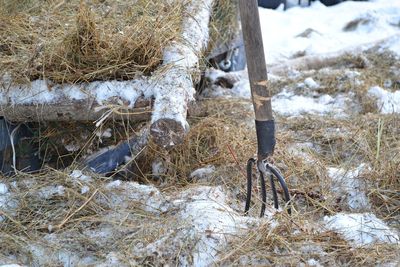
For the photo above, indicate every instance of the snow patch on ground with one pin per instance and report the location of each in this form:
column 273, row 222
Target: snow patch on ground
column 50, row 191
column 8, row 202
column 79, row 176
column 3, row 189
column 289, row 104
column 311, row 83
column 387, row 101
column 349, row 184
column 242, row 89
column 361, row 229
column 211, row 219
column 203, row 173
column 3, row 198
column 284, row 31
column 148, row 197
column 303, row 150
column 82, row 180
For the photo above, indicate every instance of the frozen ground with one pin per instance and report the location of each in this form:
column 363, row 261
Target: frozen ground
column 337, row 145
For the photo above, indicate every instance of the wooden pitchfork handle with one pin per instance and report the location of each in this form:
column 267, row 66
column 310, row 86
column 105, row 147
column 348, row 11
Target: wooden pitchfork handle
column 257, row 69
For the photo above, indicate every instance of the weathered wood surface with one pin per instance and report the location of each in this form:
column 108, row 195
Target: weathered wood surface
column 77, row 110
column 256, row 65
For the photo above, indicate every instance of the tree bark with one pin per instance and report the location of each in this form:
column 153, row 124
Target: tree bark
column 77, row 110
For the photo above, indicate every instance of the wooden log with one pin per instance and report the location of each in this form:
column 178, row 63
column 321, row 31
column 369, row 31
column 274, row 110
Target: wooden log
column 77, row 110
column 170, row 86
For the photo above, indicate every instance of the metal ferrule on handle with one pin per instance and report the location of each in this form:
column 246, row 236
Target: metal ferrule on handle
column 265, row 138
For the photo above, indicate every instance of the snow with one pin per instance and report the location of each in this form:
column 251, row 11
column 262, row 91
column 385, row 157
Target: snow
column 78, row 178
column 311, row 83
column 289, row 104
column 242, row 89
column 148, row 197
column 125, row 90
column 3, row 188
column 203, row 173
column 361, row 229
column 392, row 44
column 45, row 92
column 4, row 198
column 204, row 212
column 85, row 189
column 50, row 191
column 8, row 202
column 78, row 175
column 212, row 220
column 107, row 133
column 281, row 29
column 176, row 86
column 313, row 262
column 349, row 184
column 72, row 147
column 387, row 102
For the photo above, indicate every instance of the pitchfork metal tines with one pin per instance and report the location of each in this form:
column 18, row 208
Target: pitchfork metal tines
column 265, row 169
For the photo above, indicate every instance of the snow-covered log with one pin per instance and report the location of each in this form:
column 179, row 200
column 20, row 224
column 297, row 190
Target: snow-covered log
column 165, row 94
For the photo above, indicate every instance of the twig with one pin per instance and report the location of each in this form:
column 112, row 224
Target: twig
column 76, row 211
column 236, row 160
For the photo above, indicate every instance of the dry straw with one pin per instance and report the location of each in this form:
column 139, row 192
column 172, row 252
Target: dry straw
column 75, row 41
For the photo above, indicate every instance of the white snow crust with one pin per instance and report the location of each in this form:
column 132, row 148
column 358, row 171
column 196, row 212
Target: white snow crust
column 388, row 102
column 212, row 220
column 361, row 229
column 281, row 29
column 289, row 104
column 148, row 197
column 203, row 172
column 349, row 184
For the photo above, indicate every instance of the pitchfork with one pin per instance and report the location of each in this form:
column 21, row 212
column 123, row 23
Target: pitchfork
column 261, row 96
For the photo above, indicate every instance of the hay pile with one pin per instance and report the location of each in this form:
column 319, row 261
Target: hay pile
column 80, row 41
column 224, row 24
